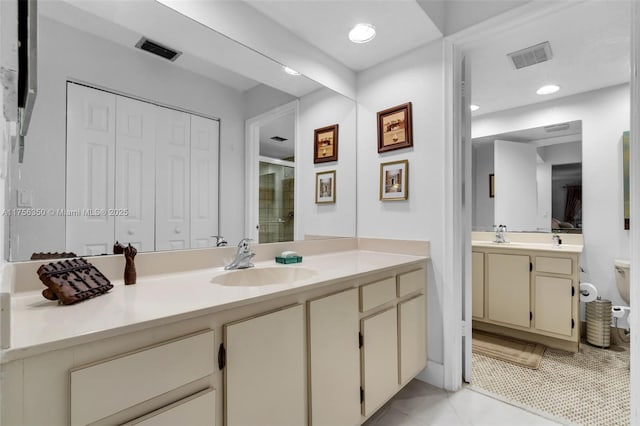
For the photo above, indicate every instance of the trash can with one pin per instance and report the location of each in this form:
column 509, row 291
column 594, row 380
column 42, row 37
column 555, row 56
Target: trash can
column 598, row 316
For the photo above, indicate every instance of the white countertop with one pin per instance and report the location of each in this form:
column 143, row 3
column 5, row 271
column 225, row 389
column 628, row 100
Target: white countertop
column 39, row 325
column 517, row 245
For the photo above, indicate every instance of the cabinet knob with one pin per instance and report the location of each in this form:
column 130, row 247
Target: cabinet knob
column 131, row 232
column 177, row 230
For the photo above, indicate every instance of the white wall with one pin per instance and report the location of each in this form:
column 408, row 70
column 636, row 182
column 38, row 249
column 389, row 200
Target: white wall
column 65, row 53
column 605, row 115
column 262, row 98
column 543, row 178
column 483, row 204
column 323, row 108
column 418, row 77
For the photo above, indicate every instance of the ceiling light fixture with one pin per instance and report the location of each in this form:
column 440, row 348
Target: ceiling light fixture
column 362, row 33
column 290, row 71
column 547, row 90
column 473, row 107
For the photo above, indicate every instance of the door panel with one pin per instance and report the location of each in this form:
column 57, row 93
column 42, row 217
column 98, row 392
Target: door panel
column 509, row 289
column 553, row 302
column 91, row 137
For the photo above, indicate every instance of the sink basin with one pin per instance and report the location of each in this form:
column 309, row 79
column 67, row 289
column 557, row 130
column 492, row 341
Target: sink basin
column 263, row 276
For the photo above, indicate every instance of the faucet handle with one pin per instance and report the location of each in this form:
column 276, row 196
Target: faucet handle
column 220, row 241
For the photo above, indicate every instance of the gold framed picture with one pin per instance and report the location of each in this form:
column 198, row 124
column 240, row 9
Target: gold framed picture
column 325, row 144
column 326, row 187
column 395, row 128
column 394, row 180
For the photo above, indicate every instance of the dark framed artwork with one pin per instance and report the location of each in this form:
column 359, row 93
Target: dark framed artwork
column 492, row 191
column 394, row 180
column 326, row 187
column 395, row 128
column 325, row 144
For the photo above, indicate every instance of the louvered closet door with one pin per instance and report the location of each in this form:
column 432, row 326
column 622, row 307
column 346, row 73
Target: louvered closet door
column 91, row 138
column 135, row 173
column 172, row 180
column 204, row 181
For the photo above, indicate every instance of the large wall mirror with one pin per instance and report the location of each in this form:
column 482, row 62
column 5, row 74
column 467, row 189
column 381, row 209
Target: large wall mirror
column 159, row 144
column 530, row 179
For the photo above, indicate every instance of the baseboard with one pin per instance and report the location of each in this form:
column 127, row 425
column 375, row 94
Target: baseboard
column 433, row 374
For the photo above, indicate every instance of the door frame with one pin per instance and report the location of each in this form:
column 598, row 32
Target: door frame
column 252, row 160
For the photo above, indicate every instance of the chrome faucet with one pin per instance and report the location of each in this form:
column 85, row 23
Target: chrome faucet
column 220, row 241
column 243, row 256
column 500, row 230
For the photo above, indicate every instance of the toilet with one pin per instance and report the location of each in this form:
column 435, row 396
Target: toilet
column 622, row 278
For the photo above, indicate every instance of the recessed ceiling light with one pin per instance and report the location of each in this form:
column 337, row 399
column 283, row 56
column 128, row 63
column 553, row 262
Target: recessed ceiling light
column 473, row 107
column 362, row 33
column 290, row 71
column 547, row 90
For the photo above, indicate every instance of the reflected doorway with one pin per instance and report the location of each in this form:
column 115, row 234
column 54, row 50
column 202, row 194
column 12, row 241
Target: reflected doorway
column 276, row 200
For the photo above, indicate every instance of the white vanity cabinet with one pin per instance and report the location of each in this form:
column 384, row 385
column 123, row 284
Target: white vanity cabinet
column 105, row 388
column 264, row 376
column 394, row 335
column 508, row 289
column 528, row 294
column 334, row 359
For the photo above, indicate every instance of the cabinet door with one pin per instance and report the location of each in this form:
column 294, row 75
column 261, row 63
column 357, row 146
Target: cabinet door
column 135, row 173
column 379, row 359
column 509, row 290
column 91, row 137
column 553, row 301
column 195, row 410
column 477, row 279
column 265, row 374
column 172, row 180
column 204, row 181
column 334, row 359
column 412, row 326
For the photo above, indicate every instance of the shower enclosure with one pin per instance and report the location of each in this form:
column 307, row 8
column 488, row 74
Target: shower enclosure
column 276, row 201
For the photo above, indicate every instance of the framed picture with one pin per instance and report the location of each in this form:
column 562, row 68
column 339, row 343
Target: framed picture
column 394, row 128
column 394, row 180
column 492, row 191
column 326, row 144
column 326, row 187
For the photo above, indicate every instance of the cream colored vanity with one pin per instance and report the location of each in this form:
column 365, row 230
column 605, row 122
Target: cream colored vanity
column 326, row 350
column 528, row 290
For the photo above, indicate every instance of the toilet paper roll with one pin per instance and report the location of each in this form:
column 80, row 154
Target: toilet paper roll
column 588, row 292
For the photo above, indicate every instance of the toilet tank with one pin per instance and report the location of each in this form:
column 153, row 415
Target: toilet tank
column 622, row 278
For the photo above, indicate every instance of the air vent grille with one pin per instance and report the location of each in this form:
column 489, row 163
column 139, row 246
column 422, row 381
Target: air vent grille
column 531, row 55
column 278, row 138
column 556, row 127
column 158, row 49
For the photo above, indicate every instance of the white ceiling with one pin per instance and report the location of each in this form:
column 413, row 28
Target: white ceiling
column 542, row 136
column 401, row 25
column 590, row 42
column 283, row 127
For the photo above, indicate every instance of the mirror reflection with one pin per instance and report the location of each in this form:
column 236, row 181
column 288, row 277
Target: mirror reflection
column 152, row 152
column 530, row 179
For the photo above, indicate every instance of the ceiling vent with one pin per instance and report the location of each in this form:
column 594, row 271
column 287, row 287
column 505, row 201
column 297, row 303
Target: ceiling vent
column 278, row 138
column 556, row 127
column 531, row 55
column 158, row 49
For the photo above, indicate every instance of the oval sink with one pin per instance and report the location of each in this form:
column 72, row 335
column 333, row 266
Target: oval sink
column 263, row 276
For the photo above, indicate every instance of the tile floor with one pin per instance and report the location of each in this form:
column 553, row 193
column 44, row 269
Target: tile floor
column 422, row 404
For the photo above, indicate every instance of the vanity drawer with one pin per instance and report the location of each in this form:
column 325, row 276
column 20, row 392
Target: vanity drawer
column 411, row 282
column 104, row 388
column 376, row 294
column 554, row 265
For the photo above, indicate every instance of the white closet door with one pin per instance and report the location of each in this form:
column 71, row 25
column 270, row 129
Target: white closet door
column 205, row 139
column 135, row 173
column 91, row 138
column 172, row 180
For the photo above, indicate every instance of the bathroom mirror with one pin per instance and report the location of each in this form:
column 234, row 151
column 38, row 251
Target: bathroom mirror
column 93, row 44
column 530, row 179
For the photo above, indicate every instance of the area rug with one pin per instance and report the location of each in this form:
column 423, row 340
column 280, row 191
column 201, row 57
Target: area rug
column 590, row 387
column 519, row 352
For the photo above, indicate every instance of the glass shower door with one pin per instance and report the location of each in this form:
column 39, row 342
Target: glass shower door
column 276, row 202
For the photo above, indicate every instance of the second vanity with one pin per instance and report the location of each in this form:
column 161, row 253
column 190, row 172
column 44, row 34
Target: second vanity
column 330, row 346
column 528, row 288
